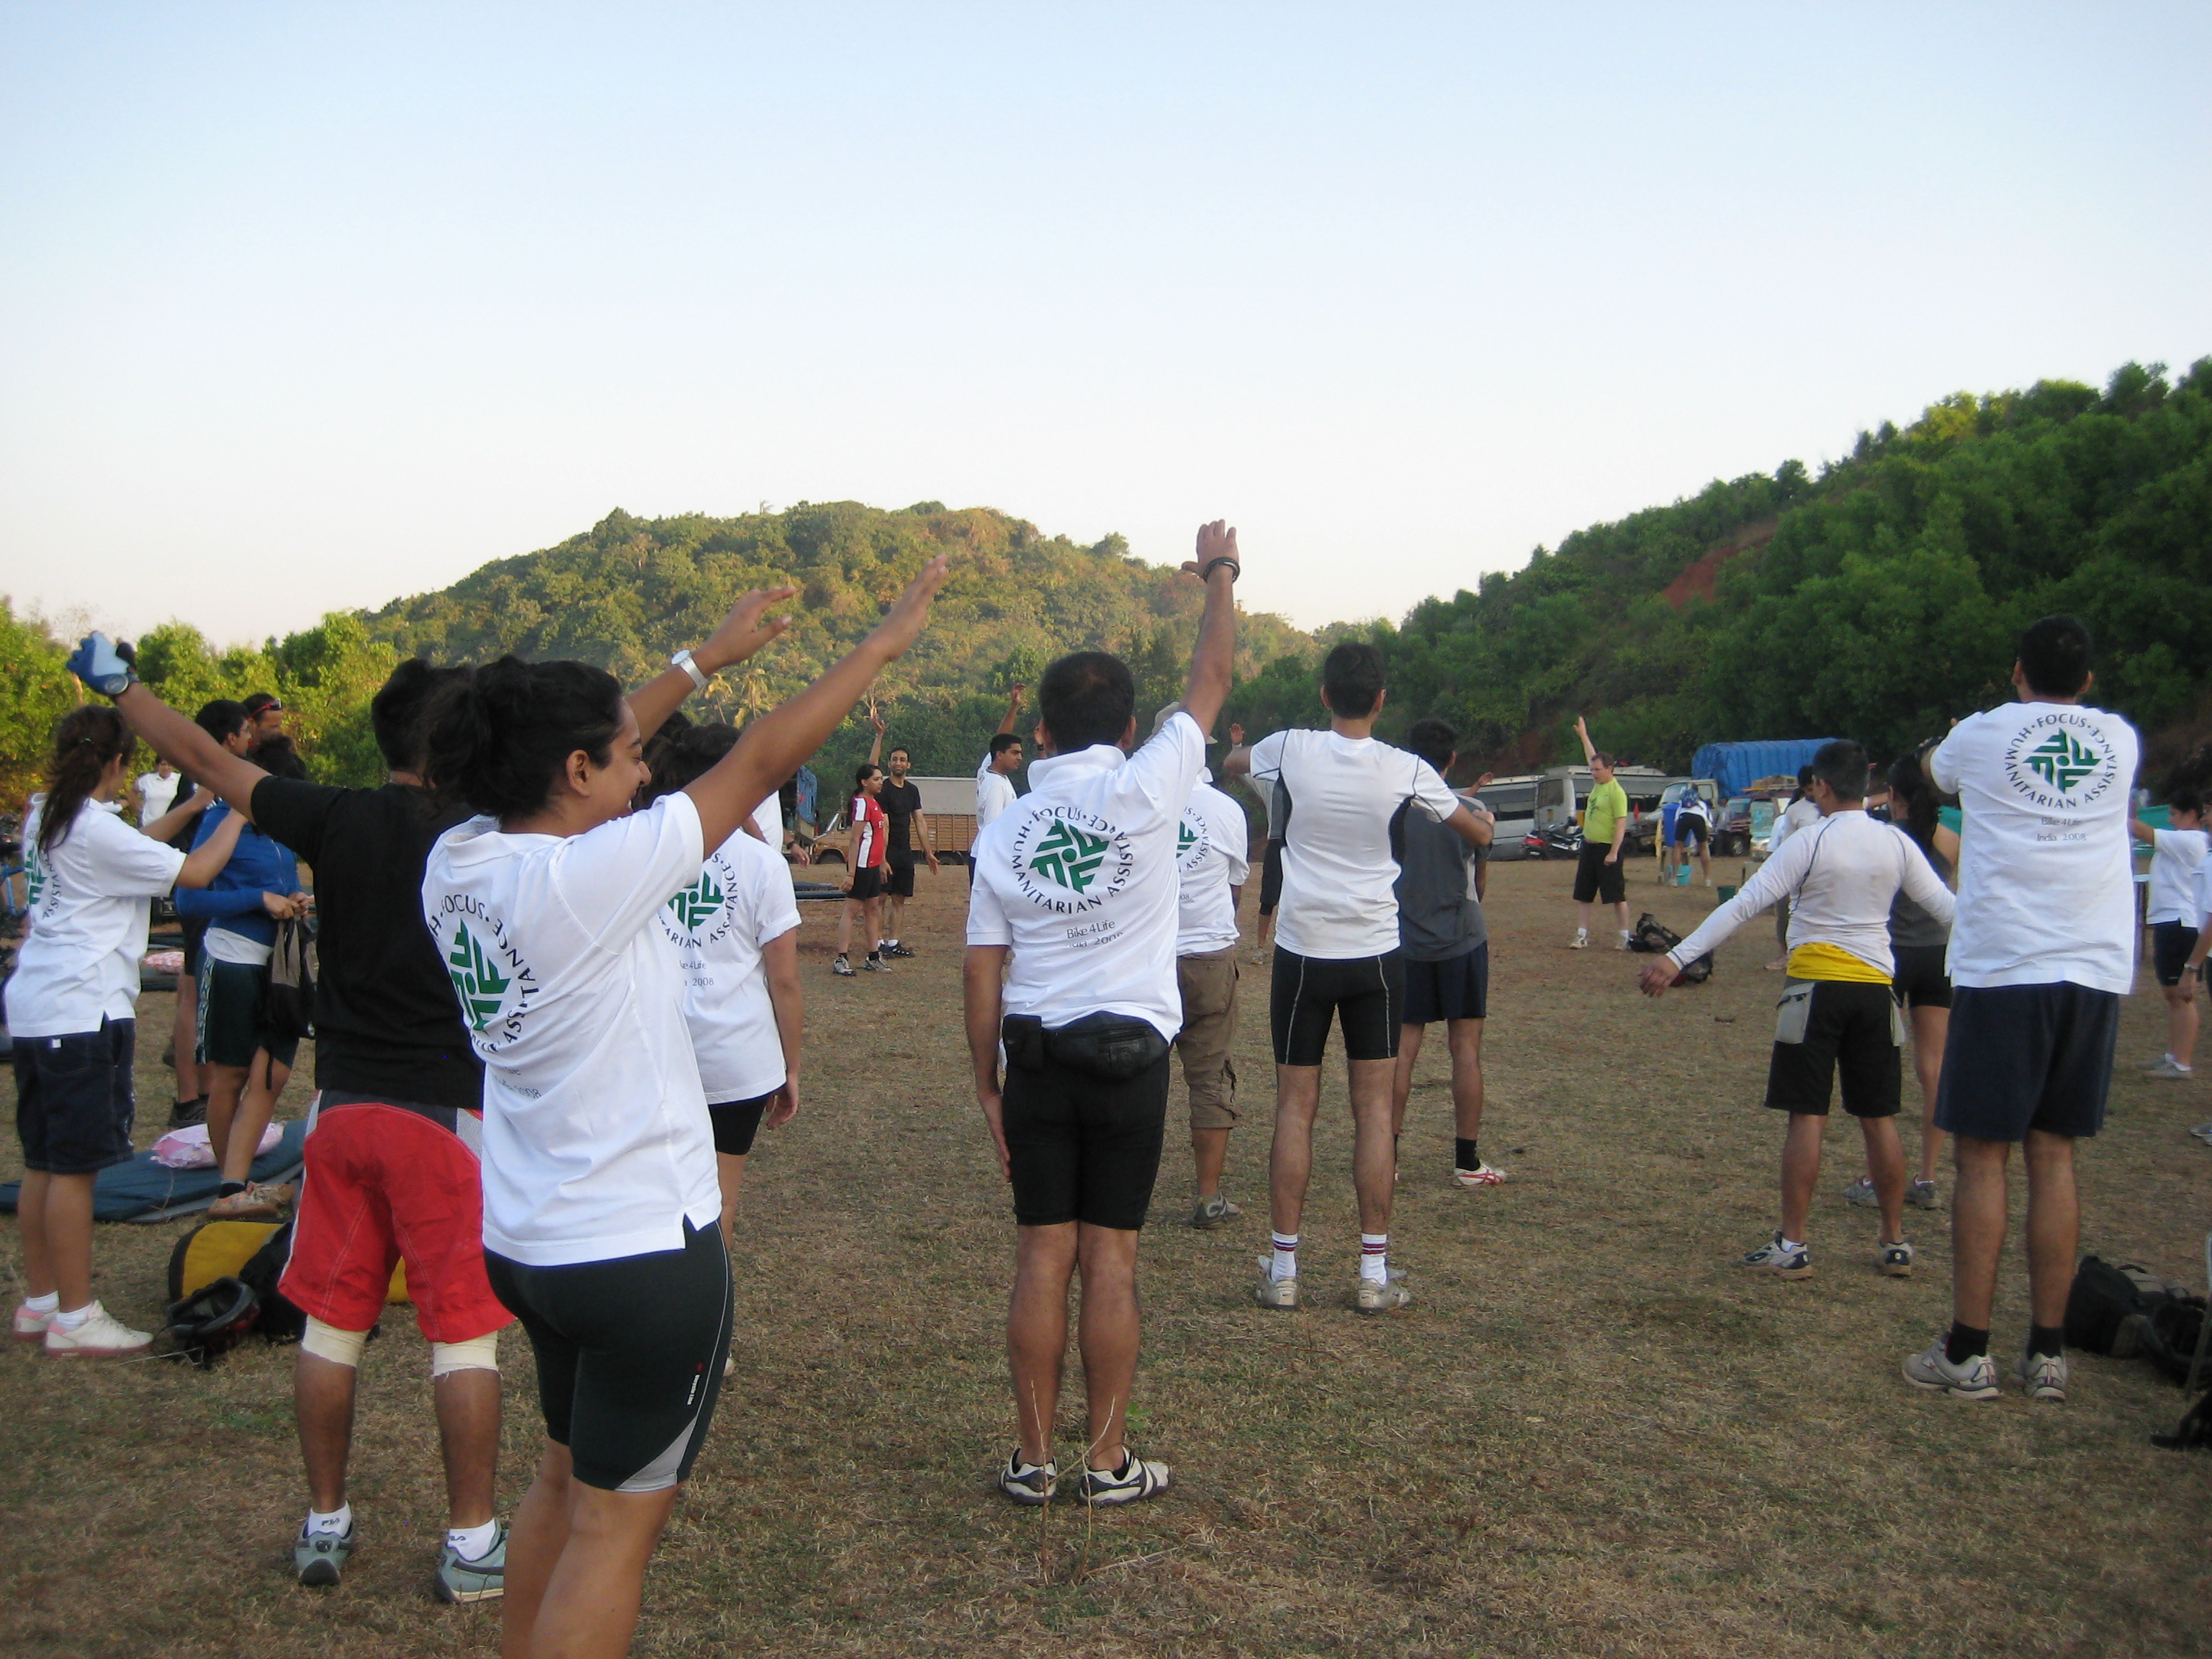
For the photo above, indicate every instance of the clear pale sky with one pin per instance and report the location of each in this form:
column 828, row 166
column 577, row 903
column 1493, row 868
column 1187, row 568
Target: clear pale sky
column 308, row 308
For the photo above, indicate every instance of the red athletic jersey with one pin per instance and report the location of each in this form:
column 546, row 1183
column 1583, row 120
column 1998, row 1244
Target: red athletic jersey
column 874, row 832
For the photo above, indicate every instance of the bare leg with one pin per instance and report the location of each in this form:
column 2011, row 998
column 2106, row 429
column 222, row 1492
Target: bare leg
column 1209, row 1152
column 1582, row 916
column 1401, row 1080
column 468, row 1441
column 1801, row 1168
column 1930, row 1030
column 1620, row 916
column 845, row 926
column 2054, row 1225
column 873, row 910
column 589, row 1607
column 1036, row 1329
column 255, row 1106
column 1977, row 1230
column 1885, row 1155
column 1705, row 864
column 533, row 1545
column 2180, row 1026
column 224, row 1085
column 1465, row 1037
column 53, row 1218
column 322, row 1408
column 1289, row 1158
column 897, row 906
column 730, row 1173
column 1374, row 1161
column 1108, row 1335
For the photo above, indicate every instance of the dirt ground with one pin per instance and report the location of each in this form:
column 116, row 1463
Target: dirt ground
column 1593, row 1433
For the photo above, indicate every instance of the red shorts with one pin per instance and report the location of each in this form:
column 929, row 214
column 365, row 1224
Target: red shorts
column 382, row 1183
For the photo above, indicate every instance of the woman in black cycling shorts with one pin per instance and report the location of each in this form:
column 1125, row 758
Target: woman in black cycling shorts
column 600, row 1201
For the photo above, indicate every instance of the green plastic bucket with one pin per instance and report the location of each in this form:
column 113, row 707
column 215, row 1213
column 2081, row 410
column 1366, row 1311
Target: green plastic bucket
column 1725, row 891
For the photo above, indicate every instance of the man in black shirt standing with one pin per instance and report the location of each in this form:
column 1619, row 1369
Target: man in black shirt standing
column 901, row 804
column 392, row 1151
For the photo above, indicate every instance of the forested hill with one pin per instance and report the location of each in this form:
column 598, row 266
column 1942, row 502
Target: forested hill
column 627, row 591
column 1880, row 599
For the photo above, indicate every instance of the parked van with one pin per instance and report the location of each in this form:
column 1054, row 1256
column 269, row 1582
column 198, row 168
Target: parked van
column 1514, row 801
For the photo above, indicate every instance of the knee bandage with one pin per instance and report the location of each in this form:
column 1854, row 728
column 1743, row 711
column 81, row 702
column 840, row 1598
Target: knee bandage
column 479, row 1353
column 329, row 1342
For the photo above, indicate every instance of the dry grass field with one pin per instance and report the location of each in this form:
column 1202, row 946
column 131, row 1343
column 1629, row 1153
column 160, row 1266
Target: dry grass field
column 1593, row 1434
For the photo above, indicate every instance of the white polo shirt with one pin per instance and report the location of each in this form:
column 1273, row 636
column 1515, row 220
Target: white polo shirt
column 1339, row 898
column 1079, row 876
column 2176, row 856
column 2046, row 882
column 994, row 794
column 720, row 924
column 88, row 900
column 596, row 1139
column 157, row 794
column 1210, row 843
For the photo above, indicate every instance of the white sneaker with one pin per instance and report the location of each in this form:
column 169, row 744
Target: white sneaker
column 2043, row 1376
column 1484, row 1173
column 1371, row 1297
column 102, row 1336
column 1582, row 940
column 2154, row 1065
column 1273, row 1293
column 2171, row 1070
column 1782, row 1261
column 1974, row 1379
column 1624, row 941
column 2203, row 1132
column 31, row 1327
column 1893, row 1260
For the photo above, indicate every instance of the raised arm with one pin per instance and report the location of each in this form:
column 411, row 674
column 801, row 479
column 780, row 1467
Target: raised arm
column 1581, row 731
column 169, row 735
column 744, row 631
column 1212, row 659
column 1013, row 708
column 876, row 719
column 774, row 745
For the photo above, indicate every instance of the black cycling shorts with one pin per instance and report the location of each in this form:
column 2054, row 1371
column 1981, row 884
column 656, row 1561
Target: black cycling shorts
column 1367, row 994
column 1839, row 1025
column 1596, row 879
column 898, row 878
column 1084, row 1148
column 1270, row 879
column 2022, row 1057
column 1689, row 827
column 736, row 1122
column 1457, row 987
column 630, row 1356
column 1920, row 981
column 2170, row 942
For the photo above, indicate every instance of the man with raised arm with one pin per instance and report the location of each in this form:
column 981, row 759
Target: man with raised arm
column 1337, row 956
column 994, row 778
column 1598, row 874
column 1074, row 908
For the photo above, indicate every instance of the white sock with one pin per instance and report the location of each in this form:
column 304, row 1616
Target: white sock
column 50, row 1302
column 1283, row 1264
column 1793, row 1244
column 334, row 1523
column 69, row 1319
column 470, row 1543
column 1375, row 1258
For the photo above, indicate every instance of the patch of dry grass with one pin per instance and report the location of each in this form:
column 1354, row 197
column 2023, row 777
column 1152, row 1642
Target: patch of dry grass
column 1592, row 1435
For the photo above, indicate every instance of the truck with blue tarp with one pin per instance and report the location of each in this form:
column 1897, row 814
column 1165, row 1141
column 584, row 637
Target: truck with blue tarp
column 1734, row 767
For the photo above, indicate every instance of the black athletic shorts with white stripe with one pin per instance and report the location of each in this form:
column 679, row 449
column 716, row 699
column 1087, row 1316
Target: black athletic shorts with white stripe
column 629, row 1355
column 1366, row 994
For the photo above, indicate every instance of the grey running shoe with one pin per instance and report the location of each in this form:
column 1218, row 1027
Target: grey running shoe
column 1795, row 1262
column 876, row 964
column 1922, row 1195
column 483, row 1579
column 841, row 967
column 1894, row 1260
column 1976, row 1379
column 1137, row 1478
column 2043, row 1376
column 1862, row 1192
column 1029, row 1483
column 1273, row 1292
column 2152, row 1064
column 1370, row 1297
column 2171, row 1071
column 1582, row 940
column 1213, row 1211
column 2203, row 1132
column 319, row 1557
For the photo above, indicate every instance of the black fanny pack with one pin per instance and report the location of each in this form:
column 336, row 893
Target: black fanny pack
column 1105, row 1046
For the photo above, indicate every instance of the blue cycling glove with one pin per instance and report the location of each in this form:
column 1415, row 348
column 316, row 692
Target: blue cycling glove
column 99, row 663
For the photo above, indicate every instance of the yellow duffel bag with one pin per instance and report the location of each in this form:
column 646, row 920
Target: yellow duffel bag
column 217, row 1249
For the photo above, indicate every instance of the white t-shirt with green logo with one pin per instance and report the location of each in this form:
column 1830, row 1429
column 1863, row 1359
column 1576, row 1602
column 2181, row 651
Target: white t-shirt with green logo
column 720, row 924
column 1081, row 876
column 88, row 901
column 596, row 1139
column 1210, row 843
column 2046, row 886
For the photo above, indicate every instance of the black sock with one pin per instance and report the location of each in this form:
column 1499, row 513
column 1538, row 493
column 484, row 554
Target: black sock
column 2046, row 1339
column 1464, row 1155
column 230, row 1186
column 1964, row 1343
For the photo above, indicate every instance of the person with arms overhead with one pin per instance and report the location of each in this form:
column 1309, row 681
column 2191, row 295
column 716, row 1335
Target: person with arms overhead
column 994, row 778
column 2042, row 951
column 71, row 1008
column 1337, row 956
column 602, row 1207
column 1598, row 874
column 1837, row 1012
column 1071, row 965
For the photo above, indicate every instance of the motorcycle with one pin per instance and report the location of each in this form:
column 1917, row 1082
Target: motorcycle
column 1561, row 841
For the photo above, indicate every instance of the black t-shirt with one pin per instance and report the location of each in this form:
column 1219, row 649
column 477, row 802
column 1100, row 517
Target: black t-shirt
column 900, row 802
column 385, row 1020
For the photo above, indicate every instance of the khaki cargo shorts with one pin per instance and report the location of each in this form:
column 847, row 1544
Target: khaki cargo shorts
column 1208, row 984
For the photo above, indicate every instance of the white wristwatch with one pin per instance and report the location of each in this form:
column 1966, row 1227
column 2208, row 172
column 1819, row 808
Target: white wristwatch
column 683, row 659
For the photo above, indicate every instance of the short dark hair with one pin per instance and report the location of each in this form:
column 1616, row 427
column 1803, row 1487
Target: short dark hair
column 1087, row 697
column 686, row 755
column 2187, row 798
column 2054, row 657
column 278, row 758
column 1434, row 741
column 1351, row 679
column 259, row 702
column 1603, row 758
column 396, row 712
column 1842, row 765
column 1001, row 742
column 221, row 720
column 901, row 748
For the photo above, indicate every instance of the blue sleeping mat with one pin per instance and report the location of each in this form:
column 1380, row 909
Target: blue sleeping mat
column 142, row 1190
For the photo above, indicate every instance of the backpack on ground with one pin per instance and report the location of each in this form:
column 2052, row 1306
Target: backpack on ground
column 222, row 1288
column 287, row 996
column 1654, row 938
column 2128, row 1312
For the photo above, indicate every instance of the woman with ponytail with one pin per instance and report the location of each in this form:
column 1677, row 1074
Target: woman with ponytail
column 601, row 1204
column 72, row 1014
